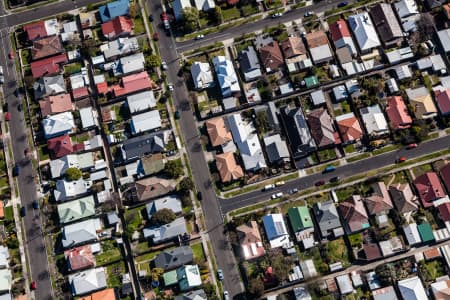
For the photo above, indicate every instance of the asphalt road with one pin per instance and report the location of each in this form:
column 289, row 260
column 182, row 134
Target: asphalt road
column 343, row 172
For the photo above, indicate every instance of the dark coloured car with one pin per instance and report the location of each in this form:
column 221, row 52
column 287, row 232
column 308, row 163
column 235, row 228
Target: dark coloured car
column 15, row 171
column 329, row 169
column 199, row 196
column 19, row 107
column 5, row 107
column 23, row 211
column 16, row 92
column 150, row 18
column 342, row 4
column 319, row 183
column 334, row 179
column 26, row 151
column 35, row 204
column 177, row 115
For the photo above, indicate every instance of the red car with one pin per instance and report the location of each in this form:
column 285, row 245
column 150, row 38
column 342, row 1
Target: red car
column 164, row 17
column 26, row 151
column 319, row 183
column 11, row 55
column 33, row 285
column 401, row 159
column 411, row 146
column 7, row 116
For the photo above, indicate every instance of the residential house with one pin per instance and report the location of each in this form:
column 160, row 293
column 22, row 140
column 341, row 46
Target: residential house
column 87, row 281
column 75, row 210
column 443, row 101
column 228, row 169
column 80, row 93
column 250, row 240
column 173, row 258
column 422, row 103
column 141, row 102
column 299, row 138
column 295, row 54
column 65, row 190
column 114, row 9
column 87, row 19
column 151, row 164
column 88, row 120
column 271, row 57
column 371, row 252
column 302, row 225
column 403, row 72
column 441, row 289
column 132, row 83
column 204, row 5
column 80, row 233
column 55, row 104
column 374, row 120
column 408, row 13
column 119, row 47
column 412, row 234
column 218, row 132
column 49, row 85
column 178, row 6
column 48, row 66
column 188, row 277
column 153, row 187
column 386, row 23
column 147, row 121
column 247, row 142
column 412, row 289
column 201, row 75
column 249, row 64
column 70, row 32
column 379, row 202
column 150, row 143
column 193, row 295
column 301, row 293
column 59, row 124
column 46, row 47
column 317, row 97
column 349, row 127
column 276, row 150
column 276, row 231
column 340, row 34
column 386, row 293
column 41, row 29
column 429, row 188
column 397, row 112
column 226, row 75
column 319, row 47
column 403, row 198
column 444, row 38
column 431, row 4
column 328, row 219
column 4, row 257
column 354, row 214
column 445, row 175
column 79, row 258
column 426, row 232
column 169, row 202
column 345, row 284
column 166, row 232
column 6, row 279
column 364, row 32
column 127, row 65
column 107, row 294
column 60, row 146
column 118, row 27
column 322, row 128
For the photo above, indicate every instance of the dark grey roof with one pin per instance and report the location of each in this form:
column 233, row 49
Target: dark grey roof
column 326, row 216
column 297, row 131
column 192, row 295
column 141, row 145
column 174, row 258
column 49, row 85
column 248, row 59
column 434, row 3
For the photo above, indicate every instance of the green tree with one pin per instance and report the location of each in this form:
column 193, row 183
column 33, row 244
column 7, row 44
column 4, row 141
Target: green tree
column 216, row 15
column 156, row 273
column 152, row 61
column 262, row 121
column 72, row 174
column 256, row 287
column 174, row 168
column 281, row 265
column 190, row 19
column 89, row 48
column 163, row 216
column 186, row 185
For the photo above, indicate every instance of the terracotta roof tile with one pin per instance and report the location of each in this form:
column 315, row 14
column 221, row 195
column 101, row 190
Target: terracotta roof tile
column 443, row 101
column 80, row 258
column 293, row 46
column 350, row 129
column 35, row 30
column 60, row 146
column 229, row 170
column 271, row 56
column 47, row 46
column 398, row 113
column 118, row 26
column 445, row 175
column 48, row 66
column 55, row 104
column 80, row 92
column 316, row 39
column 218, row 133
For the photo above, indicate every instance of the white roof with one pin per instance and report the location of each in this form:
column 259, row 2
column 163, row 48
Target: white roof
column 146, row 121
column 226, row 75
column 365, row 33
column 5, row 280
column 240, row 129
column 118, row 47
column 79, row 80
column 70, row 27
column 406, row 8
column 435, row 61
column 87, row 117
column 96, row 60
column 318, row 97
column 4, row 256
column 398, row 55
column 321, row 53
column 403, row 72
column 252, row 95
column 353, row 67
column 374, row 119
column 412, row 289
column 81, row 232
column 204, row 5
column 141, row 101
column 99, row 78
column 88, row 281
column 251, row 153
column 308, row 268
column 346, row 41
column 66, row 189
column 129, row 64
column 340, row 92
column 412, row 234
column 171, row 202
column 96, row 176
column 81, row 161
column 392, row 85
column 51, row 26
column 201, row 74
column 73, row 54
column 59, row 123
column 178, row 6
column 345, row 284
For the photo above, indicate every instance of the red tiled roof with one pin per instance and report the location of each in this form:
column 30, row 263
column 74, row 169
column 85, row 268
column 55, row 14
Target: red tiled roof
column 339, row 30
column 107, row 294
column 35, row 30
column 132, row 83
column 78, row 147
column 47, row 46
column 117, row 26
column 429, row 188
column 444, row 211
column 443, row 101
column 102, row 87
column 350, row 129
column 431, row 253
column 80, row 258
column 55, row 104
column 271, row 56
column 60, row 146
column 371, row 251
column 398, row 113
column 80, row 92
column 445, row 175
column 48, row 66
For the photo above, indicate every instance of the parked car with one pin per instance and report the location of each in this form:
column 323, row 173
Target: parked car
column 319, row 183
column 279, row 183
column 163, row 65
column 199, row 196
column 16, row 92
column 176, row 115
column 308, row 14
column 26, row 151
column 150, row 18
column 226, row 296
column 16, row 171
column 293, row 191
column 411, row 146
column 35, row 204
column 155, row 36
column 199, row 37
column 19, row 107
column 401, row 159
column 5, row 107
column 11, row 55
column 33, row 285
column 334, row 179
column 277, row 195
column 329, row 169
column 170, row 87
column 342, row 4
column 269, row 187
column 277, row 15
column 8, row 116
column 220, row 274
column 23, row 211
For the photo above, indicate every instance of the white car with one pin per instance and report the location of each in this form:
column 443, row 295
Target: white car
column 269, row 187
column 226, row 296
column 164, row 65
column 308, row 14
column 1, row 70
column 277, row 15
column 277, row 195
column 199, row 37
column 279, row 183
column 170, row 87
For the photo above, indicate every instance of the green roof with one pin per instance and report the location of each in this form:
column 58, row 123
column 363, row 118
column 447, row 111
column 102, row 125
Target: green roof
column 300, row 218
column 311, row 81
column 77, row 209
column 425, row 232
column 170, row 278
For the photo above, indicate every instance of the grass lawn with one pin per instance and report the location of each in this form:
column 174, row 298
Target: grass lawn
column 435, row 269
column 43, row 152
column 110, row 254
column 346, row 192
column 271, row 4
column 26, row 56
column 350, row 148
column 422, row 169
column 114, row 274
column 134, row 218
column 9, row 214
column 143, row 266
column 4, row 182
column 230, row 14
column 399, row 177
column 142, row 247
column 358, row 157
column 199, row 254
column 336, row 251
column 73, row 68
column 147, row 257
column 355, row 239
column 326, row 154
column 138, row 25
column 249, row 9
column 385, row 149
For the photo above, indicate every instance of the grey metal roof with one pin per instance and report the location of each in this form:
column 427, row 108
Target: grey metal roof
column 166, row 232
column 174, row 258
column 145, row 144
column 49, row 85
column 88, row 281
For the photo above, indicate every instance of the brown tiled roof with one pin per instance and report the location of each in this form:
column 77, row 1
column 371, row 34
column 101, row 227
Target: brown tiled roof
column 431, row 253
column 403, row 197
column 108, row 294
column 56, row 104
column 353, row 212
column 106, row 114
column 80, row 258
column 248, row 235
column 271, row 56
column 316, row 39
column 445, row 175
column 293, row 46
column 153, row 187
column 429, row 188
column 385, row 21
column 229, row 170
column 371, row 251
column 218, row 132
column 379, row 201
column 46, row 47
column 350, row 129
column 322, row 128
